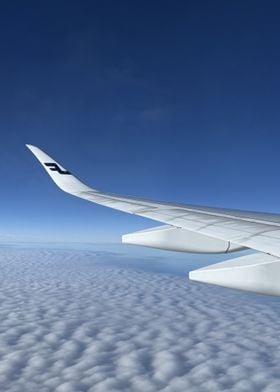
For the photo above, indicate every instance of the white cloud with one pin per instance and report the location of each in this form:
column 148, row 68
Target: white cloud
column 70, row 324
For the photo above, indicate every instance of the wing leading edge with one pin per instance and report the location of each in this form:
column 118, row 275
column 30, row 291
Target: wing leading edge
column 237, row 229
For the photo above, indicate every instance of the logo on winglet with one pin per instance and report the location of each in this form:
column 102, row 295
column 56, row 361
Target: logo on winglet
column 54, row 167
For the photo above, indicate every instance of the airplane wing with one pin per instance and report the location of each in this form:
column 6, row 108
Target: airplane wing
column 195, row 229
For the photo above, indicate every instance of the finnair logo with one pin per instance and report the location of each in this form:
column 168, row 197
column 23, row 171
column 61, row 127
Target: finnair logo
column 54, row 167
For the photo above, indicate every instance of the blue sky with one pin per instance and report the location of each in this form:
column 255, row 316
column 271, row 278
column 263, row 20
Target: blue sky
column 176, row 101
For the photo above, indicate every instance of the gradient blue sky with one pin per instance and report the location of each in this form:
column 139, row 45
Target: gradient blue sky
column 176, row 101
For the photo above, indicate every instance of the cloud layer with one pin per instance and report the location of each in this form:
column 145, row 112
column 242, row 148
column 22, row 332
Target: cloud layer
column 69, row 324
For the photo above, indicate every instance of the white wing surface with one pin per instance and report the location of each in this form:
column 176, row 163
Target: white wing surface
column 219, row 230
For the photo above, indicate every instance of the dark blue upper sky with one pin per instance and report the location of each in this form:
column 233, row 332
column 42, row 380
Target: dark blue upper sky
column 177, row 101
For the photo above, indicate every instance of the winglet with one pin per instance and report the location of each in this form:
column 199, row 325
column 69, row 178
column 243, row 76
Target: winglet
column 62, row 177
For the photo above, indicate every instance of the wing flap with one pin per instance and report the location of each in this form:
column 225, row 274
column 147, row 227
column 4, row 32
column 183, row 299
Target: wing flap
column 178, row 239
column 259, row 273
